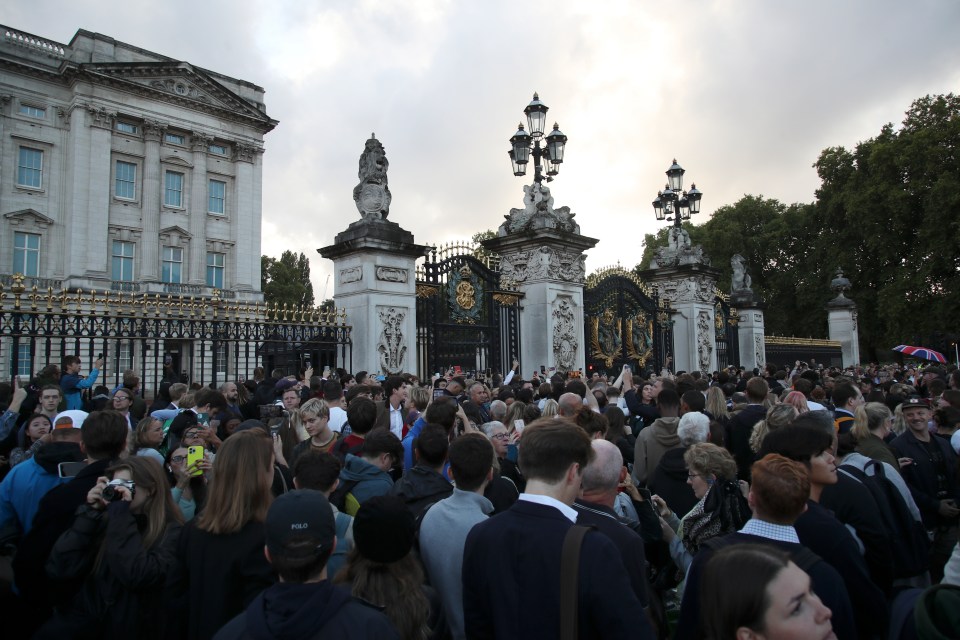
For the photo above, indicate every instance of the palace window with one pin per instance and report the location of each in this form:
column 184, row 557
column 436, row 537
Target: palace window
column 216, row 263
column 26, row 254
column 30, row 167
column 173, row 189
column 125, row 185
column 122, row 263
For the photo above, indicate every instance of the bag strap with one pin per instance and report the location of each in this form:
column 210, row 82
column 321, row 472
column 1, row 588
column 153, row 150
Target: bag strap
column 570, row 580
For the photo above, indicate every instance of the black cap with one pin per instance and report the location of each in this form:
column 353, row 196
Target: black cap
column 383, row 529
column 300, row 516
column 914, row 401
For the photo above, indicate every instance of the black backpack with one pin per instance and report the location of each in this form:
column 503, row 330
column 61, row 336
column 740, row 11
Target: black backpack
column 909, row 544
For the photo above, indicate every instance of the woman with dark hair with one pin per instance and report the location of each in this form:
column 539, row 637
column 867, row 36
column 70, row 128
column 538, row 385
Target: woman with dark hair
column 772, row 598
column 30, row 438
column 382, row 569
column 618, row 434
column 221, row 550
column 124, row 541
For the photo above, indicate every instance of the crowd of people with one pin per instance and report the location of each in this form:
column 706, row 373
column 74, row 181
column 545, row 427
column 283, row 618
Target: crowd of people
column 789, row 502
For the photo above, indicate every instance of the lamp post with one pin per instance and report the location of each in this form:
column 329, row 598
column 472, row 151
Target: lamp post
column 674, row 201
column 525, row 143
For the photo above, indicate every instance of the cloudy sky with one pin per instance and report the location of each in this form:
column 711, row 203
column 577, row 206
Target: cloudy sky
column 744, row 93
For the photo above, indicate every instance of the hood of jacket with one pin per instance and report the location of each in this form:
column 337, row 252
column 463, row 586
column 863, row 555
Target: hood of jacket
column 672, row 464
column 50, row 455
column 356, row 468
column 422, row 482
column 294, row 610
column 665, row 431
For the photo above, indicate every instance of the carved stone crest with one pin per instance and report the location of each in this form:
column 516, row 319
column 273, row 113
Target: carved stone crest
column 760, row 351
column 696, row 289
column 391, row 345
column 538, row 213
column 565, row 343
column 543, row 262
column 391, row 274
column 353, row 274
column 464, row 295
column 371, row 194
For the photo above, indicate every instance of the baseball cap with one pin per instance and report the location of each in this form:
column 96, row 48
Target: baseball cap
column 72, row 419
column 301, row 516
column 914, row 401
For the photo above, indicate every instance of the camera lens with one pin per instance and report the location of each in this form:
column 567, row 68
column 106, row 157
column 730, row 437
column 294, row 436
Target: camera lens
column 109, row 493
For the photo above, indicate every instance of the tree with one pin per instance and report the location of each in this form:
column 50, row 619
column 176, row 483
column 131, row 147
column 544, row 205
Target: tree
column 885, row 213
column 287, row 280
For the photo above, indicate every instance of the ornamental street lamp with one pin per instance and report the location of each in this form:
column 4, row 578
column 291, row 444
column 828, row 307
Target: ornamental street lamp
column 675, row 202
column 525, row 143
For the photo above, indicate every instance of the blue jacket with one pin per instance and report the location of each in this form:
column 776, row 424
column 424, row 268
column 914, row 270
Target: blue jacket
column 22, row 489
column 371, row 480
column 71, row 384
column 407, row 442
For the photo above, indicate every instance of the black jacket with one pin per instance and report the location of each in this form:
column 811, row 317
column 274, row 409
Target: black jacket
column 420, row 487
column 125, row 595
column 741, row 427
column 921, row 476
column 54, row 517
column 288, row 611
column 669, row 481
column 219, row 575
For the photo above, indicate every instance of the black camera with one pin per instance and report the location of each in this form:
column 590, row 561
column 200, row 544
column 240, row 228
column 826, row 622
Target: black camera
column 110, row 493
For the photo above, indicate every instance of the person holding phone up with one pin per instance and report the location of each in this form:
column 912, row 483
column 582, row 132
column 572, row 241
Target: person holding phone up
column 72, row 383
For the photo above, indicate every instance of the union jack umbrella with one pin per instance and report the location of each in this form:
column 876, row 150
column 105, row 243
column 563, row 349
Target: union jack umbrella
column 920, row 352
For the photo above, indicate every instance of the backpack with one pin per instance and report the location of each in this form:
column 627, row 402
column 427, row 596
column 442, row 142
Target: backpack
column 343, row 500
column 909, row 544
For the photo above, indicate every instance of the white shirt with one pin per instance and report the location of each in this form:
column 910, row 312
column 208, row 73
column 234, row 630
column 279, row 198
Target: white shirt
column 569, row 512
column 396, row 421
column 815, row 406
column 338, row 418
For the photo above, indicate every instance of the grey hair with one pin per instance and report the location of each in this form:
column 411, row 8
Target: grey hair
column 488, row 427
column 694, row 427
column 498, row 410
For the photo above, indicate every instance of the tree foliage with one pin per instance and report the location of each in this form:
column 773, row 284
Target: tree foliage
column 885, row 213
column 286, row 280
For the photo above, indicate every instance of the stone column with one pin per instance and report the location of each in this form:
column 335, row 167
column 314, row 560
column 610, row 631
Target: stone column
column 750, row 331
column 196, row 201
column 542, row 253
column 150, row 203
column 842, row 321
column 247, row 215
column 374, row 266
column 690, row 291
column 90, row 211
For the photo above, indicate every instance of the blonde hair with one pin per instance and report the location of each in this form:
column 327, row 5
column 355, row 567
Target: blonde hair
column 778, row 416
column 717, row 403
column 869, row 417
column 136, row 441
column 238, row 493
column 899, row 425
column 314, row 407
column 550, row 409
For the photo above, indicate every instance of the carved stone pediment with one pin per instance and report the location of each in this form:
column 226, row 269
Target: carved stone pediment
column 178, row 82
column 176, row 230
column 29, row 216
column 178, row 160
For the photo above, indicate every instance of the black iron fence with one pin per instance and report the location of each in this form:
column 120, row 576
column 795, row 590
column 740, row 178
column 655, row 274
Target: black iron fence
column 783, row 351
column 195, row 339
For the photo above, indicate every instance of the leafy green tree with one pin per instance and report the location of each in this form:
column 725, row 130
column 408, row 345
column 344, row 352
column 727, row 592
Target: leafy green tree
column 286, row 280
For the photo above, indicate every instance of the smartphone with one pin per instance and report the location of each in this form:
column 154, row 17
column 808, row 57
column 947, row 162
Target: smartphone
column 513, row 453
column 439, row 393
column 275, row 430
column 70, row 469
column 518, row 426
column 195, row 454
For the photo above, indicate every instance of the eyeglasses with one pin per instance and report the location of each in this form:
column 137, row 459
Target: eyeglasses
column 691, row 476
column 178, row 458
column 191, row 434
column 501, row 436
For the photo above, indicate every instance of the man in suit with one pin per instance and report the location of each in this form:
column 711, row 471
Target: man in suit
column 511, row 568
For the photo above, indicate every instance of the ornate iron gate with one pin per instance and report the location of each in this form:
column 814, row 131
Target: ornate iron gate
column 207, row 340
column 726, row 332
column 465, row 317
column 624, row 323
